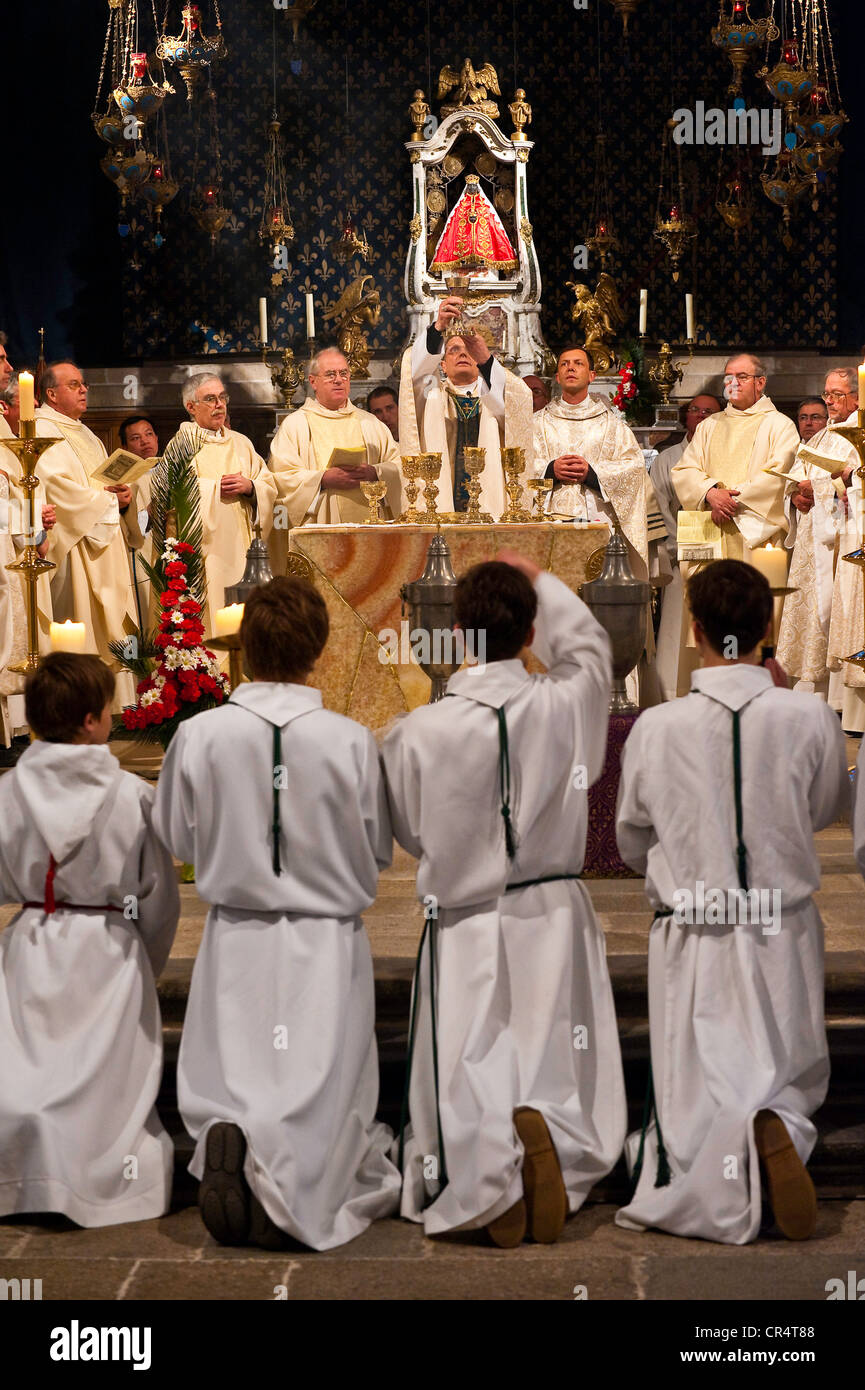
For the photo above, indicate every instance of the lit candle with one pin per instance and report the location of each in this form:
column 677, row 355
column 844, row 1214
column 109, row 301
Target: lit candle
column 690, row 331
column 25, row 396
column 68, row 637
column 861, row 388
column 644, row 312
column 310, row 317
column 771, row 561
column 228, row 620
column 262, row 319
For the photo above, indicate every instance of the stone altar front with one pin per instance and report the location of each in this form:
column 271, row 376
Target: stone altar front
column 359, row 571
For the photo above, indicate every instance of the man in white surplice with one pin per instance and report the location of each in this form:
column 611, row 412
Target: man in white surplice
column 478, row 403
column 488, row 789
column 721, row 819
column 846, row 634
column 280, row 806
column 815, row 506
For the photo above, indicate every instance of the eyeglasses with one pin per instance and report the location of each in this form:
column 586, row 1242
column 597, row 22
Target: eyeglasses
column 742, row 377
column 221, row 399
column 700, row 410
column 836, row 395
column 344, row 375
column 77, row 385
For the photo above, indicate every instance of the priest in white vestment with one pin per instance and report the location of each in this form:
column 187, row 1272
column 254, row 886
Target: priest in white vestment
column 723, row 471
column 599, row 474
column 92, row 583
column 816, row 503
column 280, row 806
column 236, row 490
column 80, row 1031
column 454, row 394
column 846, row 631
column 138, row 435
column 736, row 947
column 311, row 488
column 488, row 789
column 670, row 630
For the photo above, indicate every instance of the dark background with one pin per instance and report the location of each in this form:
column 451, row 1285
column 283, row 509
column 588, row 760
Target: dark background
column 104, row 299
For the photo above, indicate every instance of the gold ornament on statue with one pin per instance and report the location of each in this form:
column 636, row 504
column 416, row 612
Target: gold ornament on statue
column 521, row 114
column 599, row 317
column 470, row 89
column 419, row 112
column 360, row 303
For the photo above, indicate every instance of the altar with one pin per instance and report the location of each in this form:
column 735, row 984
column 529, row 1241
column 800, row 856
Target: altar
column 366, row 670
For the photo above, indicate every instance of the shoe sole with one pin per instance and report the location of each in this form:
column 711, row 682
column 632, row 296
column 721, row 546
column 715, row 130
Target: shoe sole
column 224, row 1196
column 509, row 1229
column 546, row 1198
column 791, row 1191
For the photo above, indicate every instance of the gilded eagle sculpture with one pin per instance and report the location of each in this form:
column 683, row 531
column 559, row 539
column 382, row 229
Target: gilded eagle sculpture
column 471, row 89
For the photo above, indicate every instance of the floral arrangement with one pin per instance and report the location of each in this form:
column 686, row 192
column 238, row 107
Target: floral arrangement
column 635, row 395
column 180, row 677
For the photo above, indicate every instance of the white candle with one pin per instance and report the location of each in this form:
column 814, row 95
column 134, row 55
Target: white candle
column 644, row 312
column 310, row 316
column 228, row 619
column 771, row 561
column 68, row 637
column 861, row 388
column 25, row 396
column 262, row 319
column 690, row 329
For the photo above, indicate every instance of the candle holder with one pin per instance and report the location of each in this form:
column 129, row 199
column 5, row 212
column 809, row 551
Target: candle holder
column 541, row 487
column 287, row 377
column 430, row 470
column 373, row 492
column 514, row 463
column 475, row 462
column 310, row 350
column 232, row 645
column 28, row 450
column 855, row 434
column 665, row 375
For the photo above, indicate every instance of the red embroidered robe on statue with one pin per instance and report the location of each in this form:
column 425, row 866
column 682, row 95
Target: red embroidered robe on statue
column 474, row 235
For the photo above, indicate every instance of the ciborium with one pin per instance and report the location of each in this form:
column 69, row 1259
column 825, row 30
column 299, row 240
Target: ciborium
column 373, row 492
column 428, row 603
column 256, row 572
column 411, row 473
column 475, row 462
column 30, row 564
column 514, row 463
column 541, row 487
column 856, row 436
column 430, row 471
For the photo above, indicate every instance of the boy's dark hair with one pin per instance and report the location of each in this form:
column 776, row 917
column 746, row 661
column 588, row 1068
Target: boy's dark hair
column 284, row 629
column 576, row 347
column 134, row 420
column 62, row 691
column 731, row 599
column 499, row 601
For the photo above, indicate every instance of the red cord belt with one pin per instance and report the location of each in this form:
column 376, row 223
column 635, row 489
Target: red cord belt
column 50, row 904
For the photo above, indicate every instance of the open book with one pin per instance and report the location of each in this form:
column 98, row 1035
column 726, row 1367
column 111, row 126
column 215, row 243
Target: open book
column 698, row 538
column 122, row 467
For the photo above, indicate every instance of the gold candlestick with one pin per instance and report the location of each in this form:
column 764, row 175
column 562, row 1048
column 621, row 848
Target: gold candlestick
column 430, row 470
column 541, row 487
column 514, row 463
column 475, row 462
column 411, row 472
column 28, row 450
column 856, row 436
column 373, row 492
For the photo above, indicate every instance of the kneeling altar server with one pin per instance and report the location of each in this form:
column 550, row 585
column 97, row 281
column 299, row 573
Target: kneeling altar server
column 516, row 1099
column 280, row 806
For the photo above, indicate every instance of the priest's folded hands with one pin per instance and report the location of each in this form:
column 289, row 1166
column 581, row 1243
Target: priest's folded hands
column 722, row 503
column 343, row 478
column 570, row 468
column 122, row 492
column 233, row 485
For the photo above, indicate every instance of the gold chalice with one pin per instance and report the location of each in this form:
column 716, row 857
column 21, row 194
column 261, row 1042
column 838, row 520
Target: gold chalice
column 541, row 487
column 458, row 282
column 411, row 472
column 514, row 464
column 373, row 492
column 475, row 461
column 430, row 470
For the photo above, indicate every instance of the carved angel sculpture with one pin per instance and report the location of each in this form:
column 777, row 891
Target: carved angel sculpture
column 358, row 304
column 600, row 317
